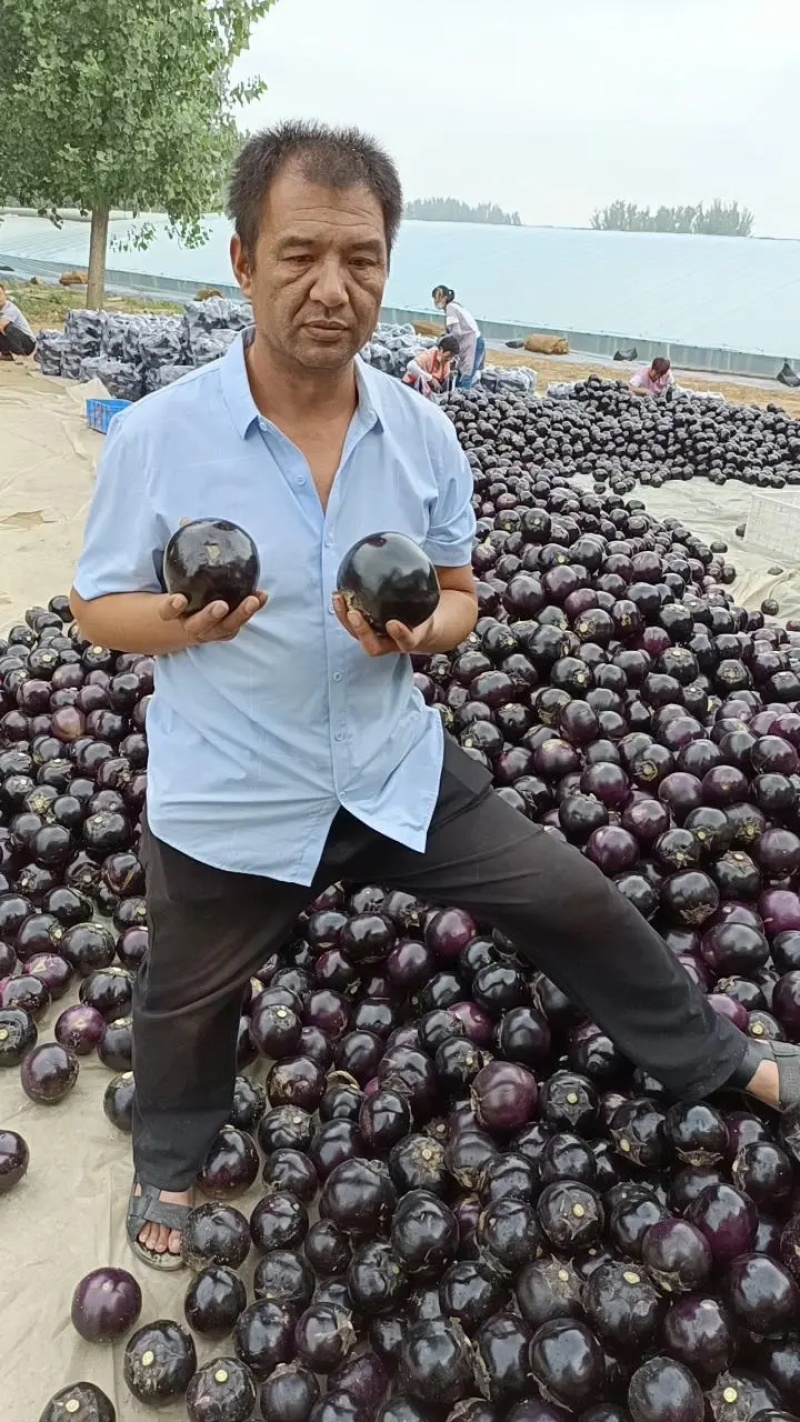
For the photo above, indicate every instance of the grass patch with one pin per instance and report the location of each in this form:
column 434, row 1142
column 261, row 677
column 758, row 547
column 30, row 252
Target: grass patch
column 47, row 306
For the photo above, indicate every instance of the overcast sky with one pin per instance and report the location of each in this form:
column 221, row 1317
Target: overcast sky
column 554, row 107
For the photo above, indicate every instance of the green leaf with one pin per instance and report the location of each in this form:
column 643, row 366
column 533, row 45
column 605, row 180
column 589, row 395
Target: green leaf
column 107, row 105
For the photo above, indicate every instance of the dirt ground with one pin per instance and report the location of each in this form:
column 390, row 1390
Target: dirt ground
column 47, row 305
column 571, row 367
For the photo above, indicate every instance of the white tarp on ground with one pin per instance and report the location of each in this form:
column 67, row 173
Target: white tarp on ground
column 67, row 1216
column 47, row 461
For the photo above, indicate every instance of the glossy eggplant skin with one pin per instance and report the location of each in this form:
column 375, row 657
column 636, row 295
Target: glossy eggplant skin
column 214, row 1300
column 80, row 1402
column 159, row 1362
column 386, row 577
column 209, row 560
column 222, row 1391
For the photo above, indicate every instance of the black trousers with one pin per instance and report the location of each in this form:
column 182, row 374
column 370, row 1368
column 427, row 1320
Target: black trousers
column 210, row 930
column 14, row 341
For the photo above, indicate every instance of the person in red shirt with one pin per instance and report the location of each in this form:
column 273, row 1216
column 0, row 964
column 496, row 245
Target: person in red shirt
column 430, row 370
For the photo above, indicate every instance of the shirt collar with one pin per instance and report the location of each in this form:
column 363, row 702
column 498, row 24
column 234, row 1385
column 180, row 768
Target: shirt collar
column 242, row 407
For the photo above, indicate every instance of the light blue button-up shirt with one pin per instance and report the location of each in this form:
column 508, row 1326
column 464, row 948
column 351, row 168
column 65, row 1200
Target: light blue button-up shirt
column 255, row 743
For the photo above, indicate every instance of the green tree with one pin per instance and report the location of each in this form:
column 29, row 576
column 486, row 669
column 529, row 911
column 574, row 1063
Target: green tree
column 107, row 105
column 448, row 209
column 721, row 219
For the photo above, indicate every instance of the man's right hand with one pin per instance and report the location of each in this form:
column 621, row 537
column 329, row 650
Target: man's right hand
column 214, row 623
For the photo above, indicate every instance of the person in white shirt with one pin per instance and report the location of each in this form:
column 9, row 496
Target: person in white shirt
column 16, row 336
column 462, row 324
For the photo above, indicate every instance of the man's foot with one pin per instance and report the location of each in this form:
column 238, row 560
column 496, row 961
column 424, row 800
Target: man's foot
column 155, row 1221
column 156, row 1237
column 770, row 1071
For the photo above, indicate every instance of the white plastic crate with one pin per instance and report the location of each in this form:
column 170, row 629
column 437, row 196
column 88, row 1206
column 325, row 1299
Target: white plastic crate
column 773, row 525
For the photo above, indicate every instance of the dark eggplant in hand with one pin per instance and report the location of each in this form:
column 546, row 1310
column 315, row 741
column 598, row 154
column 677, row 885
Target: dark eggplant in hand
column 211, row 560
column 386, row 577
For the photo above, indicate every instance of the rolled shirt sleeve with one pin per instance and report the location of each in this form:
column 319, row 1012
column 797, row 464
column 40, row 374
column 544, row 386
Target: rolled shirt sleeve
column 123, row 539
column 452, row 527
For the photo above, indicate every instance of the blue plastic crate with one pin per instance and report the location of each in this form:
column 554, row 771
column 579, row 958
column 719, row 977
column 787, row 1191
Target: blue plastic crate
column 100, row 413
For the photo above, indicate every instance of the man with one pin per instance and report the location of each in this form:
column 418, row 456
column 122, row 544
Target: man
column 16, row 336
column 657, row 380
column 288, row 746
column 430, row 370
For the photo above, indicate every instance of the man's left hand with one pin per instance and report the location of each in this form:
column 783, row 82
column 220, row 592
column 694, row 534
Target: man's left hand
column 398, row 641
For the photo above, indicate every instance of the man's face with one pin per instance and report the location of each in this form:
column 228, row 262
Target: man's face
column 319, row 271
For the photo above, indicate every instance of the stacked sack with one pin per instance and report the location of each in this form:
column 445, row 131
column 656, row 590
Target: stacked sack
column 134, row 355
column 392, row 347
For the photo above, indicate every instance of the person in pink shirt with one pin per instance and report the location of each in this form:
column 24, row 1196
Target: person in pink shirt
column 656, row 380
column 430, row 370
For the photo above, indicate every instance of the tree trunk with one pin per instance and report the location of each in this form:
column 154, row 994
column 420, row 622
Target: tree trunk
column 96, row 289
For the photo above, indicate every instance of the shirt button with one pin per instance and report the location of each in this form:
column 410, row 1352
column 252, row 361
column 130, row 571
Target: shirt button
column 337, row 676
column 329, row 540
column 340, row 735
column 301, row 478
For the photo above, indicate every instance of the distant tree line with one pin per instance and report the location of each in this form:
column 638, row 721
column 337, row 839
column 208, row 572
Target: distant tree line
column 447, row 209
column 719, row 219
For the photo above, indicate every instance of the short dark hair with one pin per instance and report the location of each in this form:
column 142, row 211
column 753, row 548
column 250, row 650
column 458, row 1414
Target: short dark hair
column 660, row 365
column 333, row 157
column 450, row 344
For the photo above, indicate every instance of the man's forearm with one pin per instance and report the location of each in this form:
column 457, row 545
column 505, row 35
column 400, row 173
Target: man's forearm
column 128, row 622
column 453, row 620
